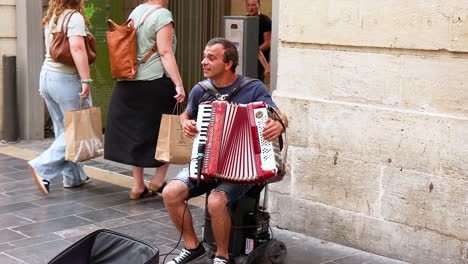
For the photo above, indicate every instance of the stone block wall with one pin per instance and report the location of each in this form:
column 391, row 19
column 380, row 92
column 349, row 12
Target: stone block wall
column 7, row 42
column 377, row 97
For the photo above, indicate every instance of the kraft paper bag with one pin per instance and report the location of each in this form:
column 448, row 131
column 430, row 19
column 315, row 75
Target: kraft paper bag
column 83, row 134
column 173, row 146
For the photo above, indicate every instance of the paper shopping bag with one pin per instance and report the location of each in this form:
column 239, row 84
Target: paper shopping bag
column 83, row 134
column 173, row 146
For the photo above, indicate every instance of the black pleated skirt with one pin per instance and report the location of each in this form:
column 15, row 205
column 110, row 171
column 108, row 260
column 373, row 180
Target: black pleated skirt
column 134, row 118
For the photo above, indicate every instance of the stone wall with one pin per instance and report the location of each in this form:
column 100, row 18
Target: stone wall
column 377, row 97
column 7, row 42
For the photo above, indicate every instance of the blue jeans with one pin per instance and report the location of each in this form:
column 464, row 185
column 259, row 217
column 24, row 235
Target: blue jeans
column 232, row 191
column 61, row 93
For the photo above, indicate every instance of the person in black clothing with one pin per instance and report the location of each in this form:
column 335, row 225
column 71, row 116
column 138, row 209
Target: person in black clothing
column 264, row 36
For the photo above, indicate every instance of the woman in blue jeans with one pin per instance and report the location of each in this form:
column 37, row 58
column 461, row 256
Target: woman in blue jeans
column 62, row 87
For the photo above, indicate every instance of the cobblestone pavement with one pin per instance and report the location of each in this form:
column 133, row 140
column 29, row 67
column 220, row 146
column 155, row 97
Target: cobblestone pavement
column 34, row 228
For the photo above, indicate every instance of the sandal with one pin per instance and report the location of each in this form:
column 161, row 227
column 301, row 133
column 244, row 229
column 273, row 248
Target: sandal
column 157, row 189
column 144, row 194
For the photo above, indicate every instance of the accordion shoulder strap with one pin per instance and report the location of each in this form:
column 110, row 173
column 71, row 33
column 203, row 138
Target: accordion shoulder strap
column 208, row 86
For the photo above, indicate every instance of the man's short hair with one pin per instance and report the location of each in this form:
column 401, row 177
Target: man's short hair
column 230, row 51
column 258, row 1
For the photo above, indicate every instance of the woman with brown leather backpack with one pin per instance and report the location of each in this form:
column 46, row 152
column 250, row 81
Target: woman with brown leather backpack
column 137, row 104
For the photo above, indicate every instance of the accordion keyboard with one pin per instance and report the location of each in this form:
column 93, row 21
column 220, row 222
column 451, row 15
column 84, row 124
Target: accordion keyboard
column 203, row 121
column 230, row 142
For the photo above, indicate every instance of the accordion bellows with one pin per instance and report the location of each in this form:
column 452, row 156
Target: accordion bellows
column 234, row 148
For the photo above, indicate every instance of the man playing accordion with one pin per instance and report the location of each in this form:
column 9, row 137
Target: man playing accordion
column 219, row 64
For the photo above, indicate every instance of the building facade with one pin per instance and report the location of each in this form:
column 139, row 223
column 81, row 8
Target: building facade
column 377, row 97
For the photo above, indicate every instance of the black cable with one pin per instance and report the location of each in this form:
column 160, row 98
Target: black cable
column 181, row 234
column 183, row 221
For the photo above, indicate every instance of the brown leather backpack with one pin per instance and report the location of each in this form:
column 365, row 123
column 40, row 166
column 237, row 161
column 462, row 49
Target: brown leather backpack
column 60, row 48
column 122, row 44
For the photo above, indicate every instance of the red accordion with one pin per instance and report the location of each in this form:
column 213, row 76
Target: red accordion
column 230, row 145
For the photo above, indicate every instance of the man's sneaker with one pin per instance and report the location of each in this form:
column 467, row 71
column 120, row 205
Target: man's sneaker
column 87, row 180
column 187, row 256
column 41, row 183
column 220, row 260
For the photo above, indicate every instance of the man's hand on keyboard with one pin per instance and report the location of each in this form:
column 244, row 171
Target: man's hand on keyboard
column 190, row 128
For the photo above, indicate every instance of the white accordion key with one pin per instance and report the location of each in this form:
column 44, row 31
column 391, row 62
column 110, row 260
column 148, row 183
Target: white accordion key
column 203, row 120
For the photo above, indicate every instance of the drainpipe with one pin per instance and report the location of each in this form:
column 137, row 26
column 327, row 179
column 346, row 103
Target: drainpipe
column 10, row 105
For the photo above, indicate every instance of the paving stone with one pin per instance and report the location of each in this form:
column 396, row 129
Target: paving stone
column 11, row 220
column 205, row 260
column 103, row 215
column 168, row 232
column 147, row 216
column 4, row 200
column 317, row 252
column 177, row 245
column 6, row 235
column 11, row 161
column 141, row 206
column 75, row 239
column 21, row 167
column 53, row 211
column 40, row 253
column 10, row 208
column 129, row 173
column 94, row 184
column 110, row 200
column 4, row 179
column 146, row 231
column 4, row 170
column 106, row 190
column 6, row 247
column 114, row 223
column 3, row 156
column 28, row 186
column 384, row 260
column 289, row 238
column 51, row 226
column 77, row 231
column 166, row 220
column 107, row 167
column 198, row 217
column 358, row 258
column 18, row 175
column 4, row 259
column 63, row 196
column 15, row 186
column 91, row 163
column 53, row 200
column 35, row 240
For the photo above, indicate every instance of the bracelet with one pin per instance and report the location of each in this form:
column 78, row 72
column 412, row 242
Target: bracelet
column 88, row 81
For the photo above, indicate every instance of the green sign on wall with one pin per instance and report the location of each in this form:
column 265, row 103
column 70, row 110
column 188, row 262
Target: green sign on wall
column 99, row 11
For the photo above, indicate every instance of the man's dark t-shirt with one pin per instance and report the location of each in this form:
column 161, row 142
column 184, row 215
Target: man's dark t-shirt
column 252, row 92
column 264, row 25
